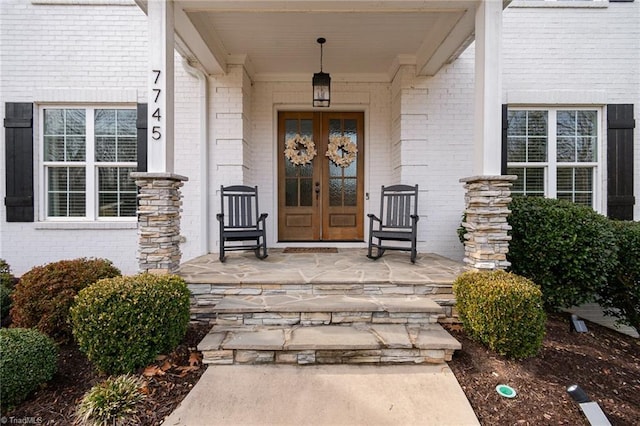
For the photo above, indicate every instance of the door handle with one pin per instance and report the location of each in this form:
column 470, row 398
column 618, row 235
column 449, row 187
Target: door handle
column 317, row 190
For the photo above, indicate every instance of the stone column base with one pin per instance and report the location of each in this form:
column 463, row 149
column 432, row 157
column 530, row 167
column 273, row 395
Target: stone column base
column 486, row 242
column 159, row 221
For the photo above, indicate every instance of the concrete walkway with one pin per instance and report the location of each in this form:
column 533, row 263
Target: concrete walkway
column 325, row 395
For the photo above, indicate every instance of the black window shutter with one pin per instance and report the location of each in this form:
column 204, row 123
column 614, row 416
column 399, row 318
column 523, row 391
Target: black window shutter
column 141, row 124
column 505, row 126
column 18, row 128
column 620, row 125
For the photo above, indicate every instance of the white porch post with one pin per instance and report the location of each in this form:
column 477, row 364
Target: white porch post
column 160, row 90
column 487, row 193
column 159, row 198
column 488, row 88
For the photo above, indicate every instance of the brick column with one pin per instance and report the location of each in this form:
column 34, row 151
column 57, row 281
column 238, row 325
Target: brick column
column 159, row 221
column 486, row 241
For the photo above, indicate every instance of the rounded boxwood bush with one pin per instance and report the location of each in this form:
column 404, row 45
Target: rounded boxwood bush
column 43, row 295
column 7, row 282
column 29, row 359
column 123, row 323
column 502, row 310
column 621, row 296
column 567, row 249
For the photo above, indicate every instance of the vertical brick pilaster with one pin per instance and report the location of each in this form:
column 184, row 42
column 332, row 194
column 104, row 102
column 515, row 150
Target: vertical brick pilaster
column 486, row 242
column 159, row 221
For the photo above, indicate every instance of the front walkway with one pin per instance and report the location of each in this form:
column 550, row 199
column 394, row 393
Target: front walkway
column 325, row 395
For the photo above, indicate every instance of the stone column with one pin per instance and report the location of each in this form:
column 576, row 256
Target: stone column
column 486, row 241
column 159, row 221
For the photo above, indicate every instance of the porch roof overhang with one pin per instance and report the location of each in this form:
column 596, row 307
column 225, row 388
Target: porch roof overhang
column 276, row 40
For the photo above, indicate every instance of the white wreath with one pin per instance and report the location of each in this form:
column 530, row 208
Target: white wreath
column 300, row 156
column 344, row 143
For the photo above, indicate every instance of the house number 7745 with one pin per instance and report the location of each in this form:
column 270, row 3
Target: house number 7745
column 156, row 133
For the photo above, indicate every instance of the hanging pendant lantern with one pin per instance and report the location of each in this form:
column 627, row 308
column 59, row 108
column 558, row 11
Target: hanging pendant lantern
column 321, row 83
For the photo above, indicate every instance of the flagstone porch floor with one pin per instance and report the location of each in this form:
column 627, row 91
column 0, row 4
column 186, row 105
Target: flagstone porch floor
column 346, row 266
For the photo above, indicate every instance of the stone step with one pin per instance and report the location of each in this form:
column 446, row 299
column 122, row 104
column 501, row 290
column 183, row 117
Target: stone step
column 329, row 344
column 310, row 310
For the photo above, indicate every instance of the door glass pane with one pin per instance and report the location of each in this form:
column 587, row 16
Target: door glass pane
column 335, row 192
column 291, row 192
column 306, row 192
column 350, row 190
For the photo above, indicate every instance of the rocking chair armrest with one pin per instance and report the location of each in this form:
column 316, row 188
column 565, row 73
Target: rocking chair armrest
column 262, row 217
column 373, row 217
column 415, row 217
column 220, row 217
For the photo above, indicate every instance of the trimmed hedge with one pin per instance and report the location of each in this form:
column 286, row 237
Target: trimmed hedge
column 502, row 310
column 29, row 359
column 621, row 296
column 569, row 250
column 43, row 295
column 123, row 323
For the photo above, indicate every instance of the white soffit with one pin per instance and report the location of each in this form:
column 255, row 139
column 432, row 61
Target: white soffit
column 363, row 37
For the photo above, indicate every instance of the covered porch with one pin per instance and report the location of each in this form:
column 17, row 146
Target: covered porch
column 388, row 62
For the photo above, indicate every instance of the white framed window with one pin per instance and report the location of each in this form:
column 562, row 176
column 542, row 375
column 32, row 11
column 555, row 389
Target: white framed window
column 87, row 155
column 555, row 152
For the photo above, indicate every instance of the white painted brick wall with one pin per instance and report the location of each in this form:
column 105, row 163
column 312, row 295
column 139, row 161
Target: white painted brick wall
column 417, row 130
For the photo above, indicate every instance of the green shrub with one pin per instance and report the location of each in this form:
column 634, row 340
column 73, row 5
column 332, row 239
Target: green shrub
column 125, row 322
column 567, row 249
column 44, row 295
column 29, row 359
column 621, row 296
column 111, row 402
column 7, row 282
column 502, row 310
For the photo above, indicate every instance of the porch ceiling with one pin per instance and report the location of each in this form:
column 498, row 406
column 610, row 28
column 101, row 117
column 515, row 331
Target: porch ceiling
column 277, row 39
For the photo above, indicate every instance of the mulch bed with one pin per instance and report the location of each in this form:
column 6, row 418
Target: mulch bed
column 606, row 364
column 172, row 378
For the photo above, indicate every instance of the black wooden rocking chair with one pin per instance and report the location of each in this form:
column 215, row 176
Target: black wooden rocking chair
column 241, row 221
column 398, row 221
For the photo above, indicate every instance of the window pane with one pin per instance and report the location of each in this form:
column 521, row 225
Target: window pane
column 306, row 192
column 66, row 191
column 566, row 149
column 127, row 149
column 587, row 123
column 576, row 185
column 105, row 148
column 117, row 192
column 75, row 122
column 54, row 122
column 105, row 122
column 517, row 149
column 537, row 123
column 116, row 135
column 586, row 149
column 518, row 184
column 566, row 123
column 537, row 150
column 76, row 148
column 517, row 123
column 530, row 181
column 64, row 135
column 54, row 148
column 127, row 122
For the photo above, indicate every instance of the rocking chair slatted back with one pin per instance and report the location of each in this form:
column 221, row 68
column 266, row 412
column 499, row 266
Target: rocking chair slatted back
column 241, row 209
column 398, row 203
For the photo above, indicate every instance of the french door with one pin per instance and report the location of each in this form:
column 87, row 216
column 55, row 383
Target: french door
column 320, row 176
